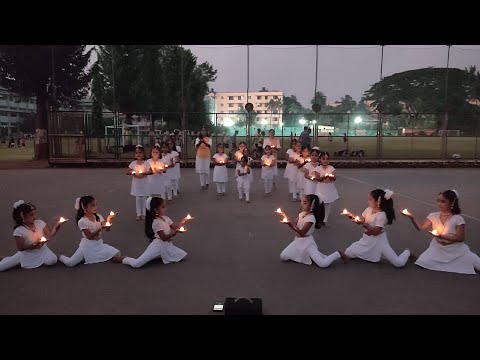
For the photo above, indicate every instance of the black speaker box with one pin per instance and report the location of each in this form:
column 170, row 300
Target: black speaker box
column 243, row 306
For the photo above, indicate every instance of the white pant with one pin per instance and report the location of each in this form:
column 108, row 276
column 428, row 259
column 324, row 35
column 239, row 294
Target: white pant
column 156, row 250
column 327, row 211
column 268, row 185
column 140, row 202
column 14, row 261
column 476, row 261
column 389, row 254
column 317, row 257
column 292, row 188
column 220, row 187
column 75, row 259
column 204, row 179
column 175, row 187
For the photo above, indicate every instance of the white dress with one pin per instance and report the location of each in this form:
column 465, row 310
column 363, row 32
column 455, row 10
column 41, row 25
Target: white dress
column 156, row 182
column 94, row 251
column 169, row 175
column 220, row 174
column 310, row 186
column 176, row 171
column 30, row 259
column 158, row 248
column 268, row 171
column 327, row 191
column 276, row 145
column 290, row 168
column 455, row 257
column 300, row 175
column 304, row 249
column 369, row 247
column 202, row 165
column 139, row 186
column 243, row 182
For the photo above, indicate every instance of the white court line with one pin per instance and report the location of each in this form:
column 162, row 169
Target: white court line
column 408, row 197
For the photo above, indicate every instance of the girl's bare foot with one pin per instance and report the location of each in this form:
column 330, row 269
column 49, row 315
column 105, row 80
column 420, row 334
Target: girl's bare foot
column 118, row 259
column 344, row 257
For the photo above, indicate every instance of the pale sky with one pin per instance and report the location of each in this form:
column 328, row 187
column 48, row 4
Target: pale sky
column 342, row 69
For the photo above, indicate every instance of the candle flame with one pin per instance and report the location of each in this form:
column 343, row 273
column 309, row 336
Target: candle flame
column 182, row 229
column 357, row 218
column 405, row 211
column 108, row 224
column 62, row 219
column 112, row 213
column 279, row 210
column 43, row 239
column 133, row 172
column 140, row 171
column 189, row 217
column 434, row 232
column 285, row 220
column 345, row 211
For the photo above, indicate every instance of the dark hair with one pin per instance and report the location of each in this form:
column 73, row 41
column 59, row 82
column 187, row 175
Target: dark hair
column 453, row 199
column 267, row 147
column 318, row 210
column 305, row 128
column 385, row 205
column 315, row 150
column 20, row 212
column 220, row 144
column 244, row 158
column 271, row 130
column 84, row 202
column 140, row 147
column 150, row 216
column 293, row 142
column 200, row 132
column 242, row 142
column 306, row 146
column 323, row 153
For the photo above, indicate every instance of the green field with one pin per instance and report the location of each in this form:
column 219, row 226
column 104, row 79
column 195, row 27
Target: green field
column 15, row 153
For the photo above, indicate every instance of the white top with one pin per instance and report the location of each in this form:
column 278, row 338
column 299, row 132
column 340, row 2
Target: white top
column 238, row 155
column 173, row 154
column 375, row 219
column 327, row 190
column 219, row 157
column 135, row 166
column 197, row 140
column 310, row 186
column 29, row 236
column 163, row 224
column 156, row 164
column 450, row 226
column 179, row 149
column 86, row 223
column 302, row 221
column 273, row 143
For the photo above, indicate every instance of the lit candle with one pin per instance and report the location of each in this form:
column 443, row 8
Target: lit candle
column 434, row 232
column 312, row 177
column 308, row 160
column 139, row 171
column 112, row 213
column 62, row 220
column 133, row 172
column 345, row 212
column 357, row 218
column 220, row 162
column 279, row 210
column 406, row 212
column 182, row 229
column 166, row 166
column 268, row 163
column 43, row 239
column 108, row 224
column 285, row 220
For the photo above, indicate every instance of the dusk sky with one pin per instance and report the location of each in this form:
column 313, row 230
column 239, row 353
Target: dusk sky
column 342, row 69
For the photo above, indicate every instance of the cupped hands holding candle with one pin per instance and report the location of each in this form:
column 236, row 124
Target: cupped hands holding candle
column 407, row 213
column 182, row 229
column 281, row 213
column 357, row 220
column 346, row 213
column 285, row 220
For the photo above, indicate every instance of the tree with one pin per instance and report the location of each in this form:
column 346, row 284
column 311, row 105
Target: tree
column 319, row 98
column 347, row 104
column 292, row 108
column 422, row 91
column 97, row 125
column 28, row 69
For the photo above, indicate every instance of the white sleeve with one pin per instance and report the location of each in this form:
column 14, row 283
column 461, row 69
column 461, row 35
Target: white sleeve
column 197, row 140
column 83, row 223
column 310, row 218
column 101, row 218
column 459, row 220
column 132, row 165
column 381, row 219
column 19, row 231
column 210, row 141
column 364, row 213
column 432, row 217
column 215, row 156
column 157, row 225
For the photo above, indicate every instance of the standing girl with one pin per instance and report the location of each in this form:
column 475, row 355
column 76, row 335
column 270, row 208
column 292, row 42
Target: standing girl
column 139, row 189
column 202, row 161
column 268, row 169
column 311, row 172
column 156, row 173
column 220, row 175
column 31, row 236
column 303, row 249
column 243, row 180
column 175, row 152
column 291, row 168
column 91, row 248
column 326, row 189
column 300, row 162
column 159, row 229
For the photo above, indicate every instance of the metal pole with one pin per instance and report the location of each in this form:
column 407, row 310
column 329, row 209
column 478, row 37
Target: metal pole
column 445, row 122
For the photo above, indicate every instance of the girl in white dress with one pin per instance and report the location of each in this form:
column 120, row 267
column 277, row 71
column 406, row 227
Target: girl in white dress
column 268, row 169
column 220, row 176
column 326, row 189
column 374, row 242
column 159, row 229
column 139, row 189
column 311, row 172
column 175, row 152
column 31, row 236
column 447, row 250
column 202, row 161
column 91, row 248
column 168, row 174
column 300, row 162
column 250, row 164
column 303, row 249
column 274, row 144
column 243, row 180
column 156, row 173
column 291, row 168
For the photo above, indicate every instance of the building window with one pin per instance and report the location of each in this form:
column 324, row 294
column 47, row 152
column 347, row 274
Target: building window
column 13, row 114
column 275, row 97
column 221, row 97
column 239, row 98
column 258, row 105
column 3, row 113
column 266, row 97
column 266, row 104
column 4, row 123
column 231, row 105
column 221, row 104
column 221, row 112
column 240, row 105
column 259, row 97
column 230, row 98
column 249, row 97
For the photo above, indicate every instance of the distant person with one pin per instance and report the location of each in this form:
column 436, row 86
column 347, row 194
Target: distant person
column 233, row 141
column 330, row 137
column 305, row 138
column 345, row 139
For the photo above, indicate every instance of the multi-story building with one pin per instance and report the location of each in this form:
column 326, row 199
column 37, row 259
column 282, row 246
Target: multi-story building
column 13, row 111
column 230, row 106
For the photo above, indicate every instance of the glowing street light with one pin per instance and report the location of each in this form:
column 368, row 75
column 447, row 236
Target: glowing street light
column 358, row 120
